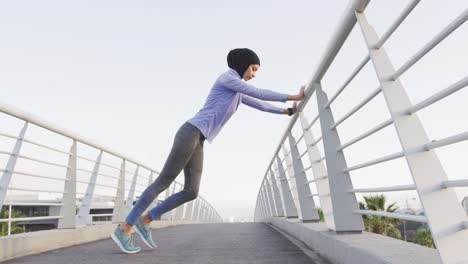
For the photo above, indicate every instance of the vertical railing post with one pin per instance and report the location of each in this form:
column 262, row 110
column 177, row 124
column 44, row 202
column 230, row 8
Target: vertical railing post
column 305, row 204
column 131, row 192
column 119, row 205
column 188, row 210
column 68, row 208
column 195, row 210
column 344, row 202
column 82, row 217
column 286, row 196
column 265, row 201
column 276, row 194
column 319, row 172
column 270, row 197
column 10, row 166
column 441, row 206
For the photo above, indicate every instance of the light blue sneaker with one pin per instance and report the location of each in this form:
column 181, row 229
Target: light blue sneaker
column 144, row 231
column 124, row 241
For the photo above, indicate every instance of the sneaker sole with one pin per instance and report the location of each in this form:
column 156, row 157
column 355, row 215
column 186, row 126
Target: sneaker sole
column 117, row 241
column 143, row 237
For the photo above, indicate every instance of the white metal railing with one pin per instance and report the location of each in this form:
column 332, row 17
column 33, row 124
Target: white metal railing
column 70, row 198
column 287, row 192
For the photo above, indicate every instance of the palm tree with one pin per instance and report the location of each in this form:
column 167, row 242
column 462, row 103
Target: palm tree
column 423, row 237
column 15, row 229
column 380, row 224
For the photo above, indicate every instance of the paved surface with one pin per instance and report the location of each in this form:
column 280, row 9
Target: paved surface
column 203, row 243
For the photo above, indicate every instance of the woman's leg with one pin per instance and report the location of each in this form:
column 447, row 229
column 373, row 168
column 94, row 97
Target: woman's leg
column 185, row 143
column 192, row 174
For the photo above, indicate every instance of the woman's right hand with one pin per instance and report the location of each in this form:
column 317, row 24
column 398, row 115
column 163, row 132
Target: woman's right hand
column 299, row 96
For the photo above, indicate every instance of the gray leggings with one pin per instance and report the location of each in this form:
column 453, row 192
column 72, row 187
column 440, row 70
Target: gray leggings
column 187, row 154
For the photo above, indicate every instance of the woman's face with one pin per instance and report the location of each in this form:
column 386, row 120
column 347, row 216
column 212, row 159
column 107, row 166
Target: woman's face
column 250, row 72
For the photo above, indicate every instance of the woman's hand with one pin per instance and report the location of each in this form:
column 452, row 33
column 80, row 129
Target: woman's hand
column 299, row 96
column 291, row 112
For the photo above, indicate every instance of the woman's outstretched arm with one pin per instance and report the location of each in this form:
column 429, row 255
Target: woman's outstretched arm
column 264, row 106
column 236, row 84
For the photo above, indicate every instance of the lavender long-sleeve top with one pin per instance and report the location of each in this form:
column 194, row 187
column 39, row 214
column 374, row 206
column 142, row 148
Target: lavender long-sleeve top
column 224, row 98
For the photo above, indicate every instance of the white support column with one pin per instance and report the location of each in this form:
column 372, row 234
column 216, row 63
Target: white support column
column 286, row 196
column 68, row 209
column 270, row 197
column 276, row 194
column 119, row 205
column 195, row 210
column 82, row 217
column 267, row 201
column 203, row 211
column 441, row 206
column 305, row 204
column 344, row 202
column 10, row 166
column 320, row 173
column 167, row 215
column 131, row 192
column 189, row 210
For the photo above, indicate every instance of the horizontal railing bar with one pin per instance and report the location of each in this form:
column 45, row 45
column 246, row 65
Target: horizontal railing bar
column 302, row 155
column 366, row 134
column 439, row 96
column 110, row 166
column 29, row 218
column 35, row 143
column 357, row 107
column 313, row 195
column 415, row 218
column 312, row 123
column 34, row 175
column 455, row 183
column 47, row 147
column 316, row 179
column 318, row 160
column 315, row 142
column 100, row 174
column 308, row 168
column 385, row 189
column 376, row 161
column 406, row 11
column 9, row 135
column 349, row 80
column 98, row 184
column 43, row 161
column 299, row 139
column 85, row 158
column 447, row 141
column 431, row 44
column 12, row 111
column 33, row 190
column 465, row 223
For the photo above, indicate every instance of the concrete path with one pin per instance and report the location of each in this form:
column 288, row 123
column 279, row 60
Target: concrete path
column 222, row 243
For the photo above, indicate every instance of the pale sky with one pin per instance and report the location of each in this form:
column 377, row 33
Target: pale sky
column 127, row 74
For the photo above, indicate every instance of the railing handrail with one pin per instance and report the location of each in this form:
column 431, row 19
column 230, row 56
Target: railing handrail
column 23, row 115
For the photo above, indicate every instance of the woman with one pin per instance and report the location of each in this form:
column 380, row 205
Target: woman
column 187, row 151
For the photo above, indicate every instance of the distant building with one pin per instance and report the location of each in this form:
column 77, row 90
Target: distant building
column 465, row 204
